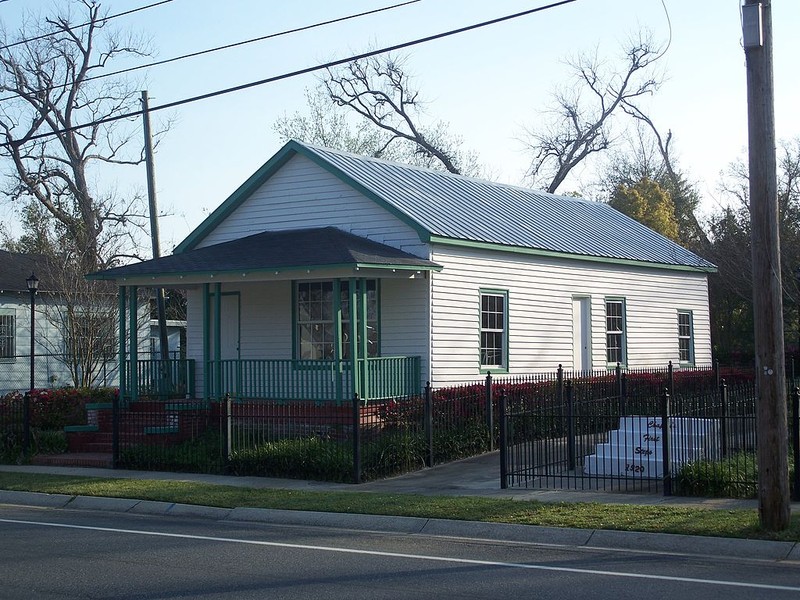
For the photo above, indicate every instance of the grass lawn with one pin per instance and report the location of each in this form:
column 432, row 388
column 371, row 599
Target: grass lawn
column 623, row 517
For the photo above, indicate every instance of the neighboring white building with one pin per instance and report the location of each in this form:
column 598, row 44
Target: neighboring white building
column 467, row 275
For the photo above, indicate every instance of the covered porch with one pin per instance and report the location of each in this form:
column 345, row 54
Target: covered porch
column 306, row 315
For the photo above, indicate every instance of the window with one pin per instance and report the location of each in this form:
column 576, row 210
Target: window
column 615, row 331
column 685, row 337
column 494, row 330
column 7, row 334
column 317, row 319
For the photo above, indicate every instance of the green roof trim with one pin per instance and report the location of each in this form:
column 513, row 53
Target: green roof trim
column 551, row 254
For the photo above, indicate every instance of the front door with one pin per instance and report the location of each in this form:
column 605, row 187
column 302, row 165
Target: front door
column 581, row 334
column 229, row 327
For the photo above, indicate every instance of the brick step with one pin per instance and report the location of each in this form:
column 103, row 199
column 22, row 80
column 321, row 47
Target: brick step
column 102, row 460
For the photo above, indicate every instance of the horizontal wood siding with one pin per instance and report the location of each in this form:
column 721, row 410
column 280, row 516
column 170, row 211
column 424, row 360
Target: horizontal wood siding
column 540, row 295
column 404, row 320
column 302, row 195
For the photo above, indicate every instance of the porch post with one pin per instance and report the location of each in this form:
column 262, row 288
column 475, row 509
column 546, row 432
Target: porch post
column 122, row 342
column 218, row 340
column 134, row 342
column 362, row 327
column 337, row 348
column 353, row 343
column 206, row 343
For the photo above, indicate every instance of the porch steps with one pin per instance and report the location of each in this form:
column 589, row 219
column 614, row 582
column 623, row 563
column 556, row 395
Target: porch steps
column 636, row 448
column 100, row 460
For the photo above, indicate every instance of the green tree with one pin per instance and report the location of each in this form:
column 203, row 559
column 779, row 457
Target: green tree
column 649, row 203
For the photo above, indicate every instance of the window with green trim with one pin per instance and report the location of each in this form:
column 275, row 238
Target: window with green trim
column 685, row 337
column 494, row 330
column 615, row 331
column 316, row 316
column 8, row 334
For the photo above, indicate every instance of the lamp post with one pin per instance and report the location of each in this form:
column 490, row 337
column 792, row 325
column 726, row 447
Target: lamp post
column 33, row 286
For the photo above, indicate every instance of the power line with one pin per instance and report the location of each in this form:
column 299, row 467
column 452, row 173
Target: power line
column 108, row 18
column 227, row 46
column 304, row 71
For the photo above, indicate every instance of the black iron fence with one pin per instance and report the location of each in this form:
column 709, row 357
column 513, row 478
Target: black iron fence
column 322, row 441
column 688, row 432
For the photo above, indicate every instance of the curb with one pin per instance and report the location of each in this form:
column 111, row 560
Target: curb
column 663, row 543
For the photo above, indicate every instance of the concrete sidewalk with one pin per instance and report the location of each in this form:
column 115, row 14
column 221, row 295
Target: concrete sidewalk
column 476, row 476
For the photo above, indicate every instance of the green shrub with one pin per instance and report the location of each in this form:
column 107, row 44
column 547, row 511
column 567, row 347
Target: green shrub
column 308, row 458
column 202, row 454
column 733, row 477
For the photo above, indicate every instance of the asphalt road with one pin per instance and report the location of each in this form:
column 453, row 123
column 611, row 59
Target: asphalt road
column 63, row 554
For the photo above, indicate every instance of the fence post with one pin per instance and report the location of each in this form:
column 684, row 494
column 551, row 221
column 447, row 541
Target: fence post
column 489, row 411
column 620, row 391
column 665, row 410
column 356, row 439
column 570, row 426
column 796, row 440
column 429, row 423
column 560, row 389
column 115, row 431
column 26, row 423
column 228, row 430
column 723, row 394
column 671, row 380
column 503, row 408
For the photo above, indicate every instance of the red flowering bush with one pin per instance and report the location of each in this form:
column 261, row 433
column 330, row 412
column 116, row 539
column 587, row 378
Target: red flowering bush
column 54, row 409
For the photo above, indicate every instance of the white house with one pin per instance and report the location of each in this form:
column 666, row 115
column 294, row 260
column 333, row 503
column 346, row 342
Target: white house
column 445, row 277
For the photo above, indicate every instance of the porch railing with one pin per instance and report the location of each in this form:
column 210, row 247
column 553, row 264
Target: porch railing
column 156, row 378
column 314, row 380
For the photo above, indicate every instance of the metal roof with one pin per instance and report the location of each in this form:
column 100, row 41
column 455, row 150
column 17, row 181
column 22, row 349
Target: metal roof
column 471, row 210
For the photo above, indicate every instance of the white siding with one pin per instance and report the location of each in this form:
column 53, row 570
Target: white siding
column 303, row 195
column 540, row 293
column 404, row 319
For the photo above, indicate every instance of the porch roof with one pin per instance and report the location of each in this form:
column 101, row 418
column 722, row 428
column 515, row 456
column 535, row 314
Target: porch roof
column 275, row 251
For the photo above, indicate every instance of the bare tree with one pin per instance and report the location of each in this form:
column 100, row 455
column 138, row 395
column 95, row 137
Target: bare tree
column 381, row 92
column 582, row 115
column 51, row 89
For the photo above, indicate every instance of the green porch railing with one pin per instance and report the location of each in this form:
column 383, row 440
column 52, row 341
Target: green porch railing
column 314, row 380
column 163, row 379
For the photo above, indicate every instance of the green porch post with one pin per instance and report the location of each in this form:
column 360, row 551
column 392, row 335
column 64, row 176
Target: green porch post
column 206, row 343
column 355, row 379
column 218, row 340
column 122, row 342
column 362, row 328
column 337, row 348
column 134, row 342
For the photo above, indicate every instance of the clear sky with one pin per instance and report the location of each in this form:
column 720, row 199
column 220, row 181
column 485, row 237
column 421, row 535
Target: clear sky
column 487, row 84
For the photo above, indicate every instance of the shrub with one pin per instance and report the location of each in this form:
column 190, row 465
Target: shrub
column 308, row 458
column 202, row 454
column 733, row 477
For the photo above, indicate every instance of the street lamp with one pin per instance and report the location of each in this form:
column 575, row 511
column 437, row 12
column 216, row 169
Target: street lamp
column 33, row 286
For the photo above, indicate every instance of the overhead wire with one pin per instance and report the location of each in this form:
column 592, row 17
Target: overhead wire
column 299, row 72
column 82, row 25
column 232, row 45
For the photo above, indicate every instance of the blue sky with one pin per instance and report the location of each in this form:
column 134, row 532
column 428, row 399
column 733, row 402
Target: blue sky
column 487, row 84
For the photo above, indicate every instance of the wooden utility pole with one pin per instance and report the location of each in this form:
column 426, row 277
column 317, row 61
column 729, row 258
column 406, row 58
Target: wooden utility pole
column 771, row 414
column 154, row 235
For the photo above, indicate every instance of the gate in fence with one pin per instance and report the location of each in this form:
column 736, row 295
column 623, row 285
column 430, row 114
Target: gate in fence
column 671, row 432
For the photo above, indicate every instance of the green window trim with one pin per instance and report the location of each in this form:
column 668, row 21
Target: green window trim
column 321, row 319
column 493, row 330
column 616, row 332
column 686, row 354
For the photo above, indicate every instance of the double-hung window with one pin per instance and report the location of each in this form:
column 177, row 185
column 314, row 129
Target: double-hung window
column 7, row 334
column 615, row 331
column 685, row 337
column 318, row 306
column 494, row 329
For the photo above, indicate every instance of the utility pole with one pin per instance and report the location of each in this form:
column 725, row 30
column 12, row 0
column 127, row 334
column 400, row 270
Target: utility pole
column 771, row 413
column 154, row 236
